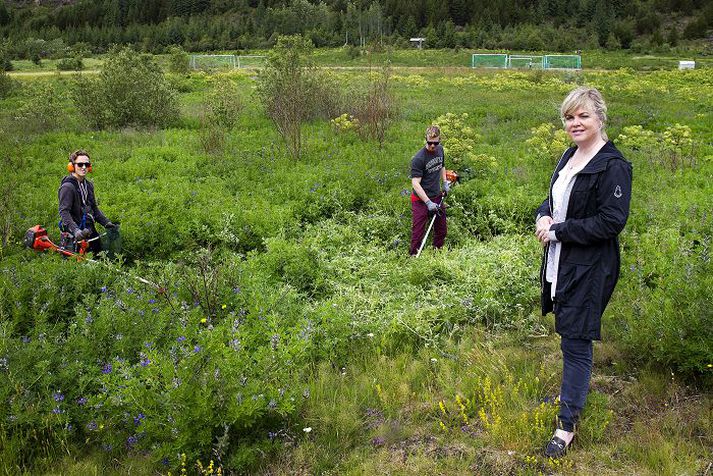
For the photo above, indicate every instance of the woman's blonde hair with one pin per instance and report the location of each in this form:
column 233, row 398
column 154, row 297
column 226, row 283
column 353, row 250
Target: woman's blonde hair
column 588, row 98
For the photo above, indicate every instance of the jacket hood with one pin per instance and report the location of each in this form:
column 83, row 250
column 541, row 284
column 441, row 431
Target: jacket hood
column 600, row 161
column 72, row 180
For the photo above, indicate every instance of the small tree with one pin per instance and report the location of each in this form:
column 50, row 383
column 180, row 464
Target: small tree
column 130, row 90
column 378, row 108
column 287, row 88
column 223, row 105
column 177, row 60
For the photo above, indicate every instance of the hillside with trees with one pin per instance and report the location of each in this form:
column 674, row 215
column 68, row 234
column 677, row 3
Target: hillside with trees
column 209, row 25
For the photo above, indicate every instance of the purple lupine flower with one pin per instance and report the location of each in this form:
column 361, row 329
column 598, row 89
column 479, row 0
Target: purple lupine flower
column 107, row 369
column 152, row 301
column 271, row 435
column 145, row 361
column 138, row 419
column 25, row 339
column 165, row 462
column 130, row 291
column 274, row 341
column 81, row 401
column 197, row 349
column 92, row 426
column 88, row 319
column 103, row 289
column 181, row 338
column 272, row 404
column 57, row 410
column 378, row 441
column 236, row 290
column 58, row 397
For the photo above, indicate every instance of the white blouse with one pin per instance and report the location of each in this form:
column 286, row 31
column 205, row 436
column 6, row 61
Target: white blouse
column 561, row 191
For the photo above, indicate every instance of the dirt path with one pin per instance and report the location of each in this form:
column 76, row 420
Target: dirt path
column 30, row 74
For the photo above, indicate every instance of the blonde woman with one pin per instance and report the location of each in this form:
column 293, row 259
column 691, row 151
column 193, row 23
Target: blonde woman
column 578, row 225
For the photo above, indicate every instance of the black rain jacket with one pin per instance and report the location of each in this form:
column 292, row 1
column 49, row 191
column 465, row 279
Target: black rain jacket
column 71, row 207
column 589, row 261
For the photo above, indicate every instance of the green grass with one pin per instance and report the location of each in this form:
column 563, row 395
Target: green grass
column 318, row 248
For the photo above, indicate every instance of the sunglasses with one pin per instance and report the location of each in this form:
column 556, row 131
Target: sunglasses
column 433, row 142
column 82, row 164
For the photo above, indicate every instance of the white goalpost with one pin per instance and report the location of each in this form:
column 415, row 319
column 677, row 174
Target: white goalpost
column 502, row 60
column 525, row 61
column 217, row 62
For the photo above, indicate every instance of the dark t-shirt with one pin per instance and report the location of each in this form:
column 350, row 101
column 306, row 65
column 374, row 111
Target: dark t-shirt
column 428, row 166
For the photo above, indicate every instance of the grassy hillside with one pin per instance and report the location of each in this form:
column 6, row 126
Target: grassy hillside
column 292, row 334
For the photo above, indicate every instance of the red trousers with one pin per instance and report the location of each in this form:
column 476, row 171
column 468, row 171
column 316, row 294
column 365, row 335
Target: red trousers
column 420, row 221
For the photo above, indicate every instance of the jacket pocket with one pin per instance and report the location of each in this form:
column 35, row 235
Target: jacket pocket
column 575, row 283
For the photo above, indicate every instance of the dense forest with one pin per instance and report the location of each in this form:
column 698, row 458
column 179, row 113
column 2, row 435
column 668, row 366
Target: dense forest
column 206, row 25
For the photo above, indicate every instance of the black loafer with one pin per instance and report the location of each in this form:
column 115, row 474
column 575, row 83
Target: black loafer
column 556, row 448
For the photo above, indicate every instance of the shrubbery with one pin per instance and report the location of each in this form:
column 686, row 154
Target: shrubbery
column 42, row 112
column 6, row 84
column 70, row 64
column 130, row 90
column 665, row 312
column 288, row 89
column 177, row 60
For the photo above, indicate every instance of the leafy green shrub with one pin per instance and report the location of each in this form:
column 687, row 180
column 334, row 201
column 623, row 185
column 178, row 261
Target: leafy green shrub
column 223, row 104
column 5, row 63
column 673, row 148
column 458, row 138
column 70, row 64
column 636, row 137
column 125, row 369
column 345, row 123
column 548, row 142
column 177, row 60
column 6, row 84
column 287, row 88
column 43, row 109
column 130, row 90
column 294, row 264
column 664, row 309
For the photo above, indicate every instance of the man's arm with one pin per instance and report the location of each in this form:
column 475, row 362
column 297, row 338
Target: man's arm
column 416, row 184
column 66, row 197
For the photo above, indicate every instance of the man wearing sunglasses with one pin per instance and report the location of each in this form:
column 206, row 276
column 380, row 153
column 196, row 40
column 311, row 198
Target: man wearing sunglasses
column 427, row 173
column 78, row 210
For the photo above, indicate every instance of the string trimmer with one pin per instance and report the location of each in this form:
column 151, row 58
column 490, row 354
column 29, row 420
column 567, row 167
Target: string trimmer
column 37, row 239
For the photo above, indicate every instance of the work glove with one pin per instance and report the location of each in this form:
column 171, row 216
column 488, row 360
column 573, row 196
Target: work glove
column 109, row 225
column 432, row 207
column 79, row 234
column 446, row 188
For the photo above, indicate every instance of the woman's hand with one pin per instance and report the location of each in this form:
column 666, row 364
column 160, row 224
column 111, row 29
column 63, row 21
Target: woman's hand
column 542, row 229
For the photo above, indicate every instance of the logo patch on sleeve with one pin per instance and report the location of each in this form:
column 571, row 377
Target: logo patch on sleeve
column 617, row 192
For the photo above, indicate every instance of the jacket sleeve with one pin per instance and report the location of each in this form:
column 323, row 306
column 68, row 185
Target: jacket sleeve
column 66, row 198
column 613, row 199
column 543, row 210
